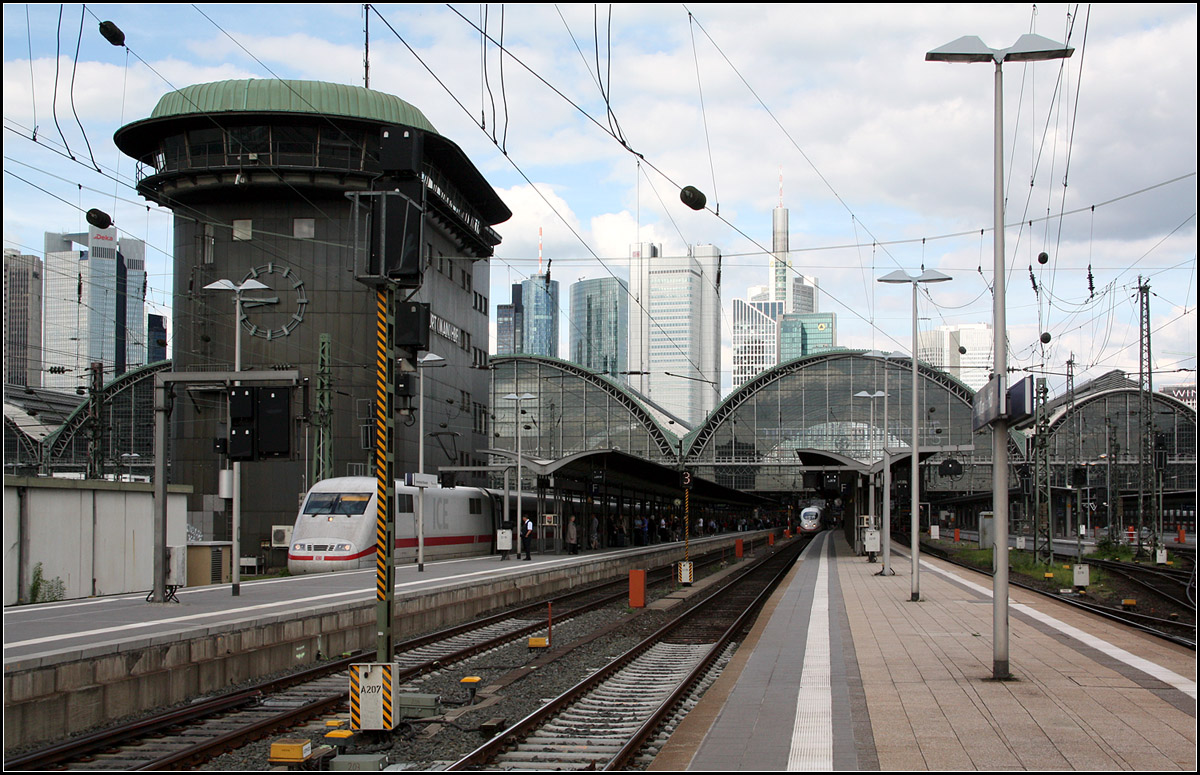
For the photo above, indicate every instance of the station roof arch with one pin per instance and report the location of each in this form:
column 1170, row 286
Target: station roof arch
column 806, row 404
column 574, row 410
column 1106, row 424
column 811, row 403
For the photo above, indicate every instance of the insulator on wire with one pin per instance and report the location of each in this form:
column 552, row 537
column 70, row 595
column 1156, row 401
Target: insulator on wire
column 1091, row 283
column 98, row 218
column 112, row 33
column 1033, row 280
column 693, row 197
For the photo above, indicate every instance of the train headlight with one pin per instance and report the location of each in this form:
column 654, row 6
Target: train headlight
column 343, row 547
column 297, row 547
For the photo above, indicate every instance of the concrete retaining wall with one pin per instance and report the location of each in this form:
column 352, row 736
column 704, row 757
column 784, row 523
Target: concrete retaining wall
column 95, row 537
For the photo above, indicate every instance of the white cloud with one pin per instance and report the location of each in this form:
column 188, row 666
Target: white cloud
column 875, row 143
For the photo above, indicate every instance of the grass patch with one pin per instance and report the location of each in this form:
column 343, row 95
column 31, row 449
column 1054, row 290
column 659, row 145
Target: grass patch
column 1024, row 564
column 1108, row 549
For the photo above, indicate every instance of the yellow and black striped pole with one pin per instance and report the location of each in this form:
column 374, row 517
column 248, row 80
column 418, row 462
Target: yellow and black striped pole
column 385, row 480
column 687, row 519
column 355, row 698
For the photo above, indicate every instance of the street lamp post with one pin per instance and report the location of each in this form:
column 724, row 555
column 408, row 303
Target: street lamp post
column 914, row 485
column 871, row 441
column 1028, row 48
column 129, row 458
column 229, row 285
column 886, row 527
column 428, row 361
column 520, row 522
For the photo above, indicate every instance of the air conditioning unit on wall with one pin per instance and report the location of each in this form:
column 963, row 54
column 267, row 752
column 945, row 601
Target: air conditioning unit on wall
column 281, row 536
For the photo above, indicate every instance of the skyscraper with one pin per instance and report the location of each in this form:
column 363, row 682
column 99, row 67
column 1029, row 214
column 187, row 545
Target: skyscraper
column 510, row 323
column 675, row 328
column 600, row 325
column 156, row 338
column 94, row 305
column 22, row 319
column 963, row 351
column 804, row 295
column 540, row 330
column 806, row 334
column 781, row 263
column 758, row 328
column 755, row 334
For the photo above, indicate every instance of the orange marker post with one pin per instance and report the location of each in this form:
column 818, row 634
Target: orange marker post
column 637, row 589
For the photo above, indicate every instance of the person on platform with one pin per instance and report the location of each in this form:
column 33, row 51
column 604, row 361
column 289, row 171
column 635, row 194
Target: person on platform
column 527, row 536
column 572, row 537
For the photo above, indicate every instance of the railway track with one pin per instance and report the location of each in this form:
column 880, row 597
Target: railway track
column 605, row 720
column 1176, row 630
column 187, row 737
column 1175, row 586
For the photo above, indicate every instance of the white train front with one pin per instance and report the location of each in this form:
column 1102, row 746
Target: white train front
column 335, row 529
column 812, row 519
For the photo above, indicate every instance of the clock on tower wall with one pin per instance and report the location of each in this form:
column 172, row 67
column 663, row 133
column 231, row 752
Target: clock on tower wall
column 277, row 311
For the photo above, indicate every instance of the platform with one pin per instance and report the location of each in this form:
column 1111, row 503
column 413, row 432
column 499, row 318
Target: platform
column 843, row 672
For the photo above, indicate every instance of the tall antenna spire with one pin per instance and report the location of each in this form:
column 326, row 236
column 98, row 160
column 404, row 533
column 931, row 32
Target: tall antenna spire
column 539, row 250
column 366, row 45
column 780, row 187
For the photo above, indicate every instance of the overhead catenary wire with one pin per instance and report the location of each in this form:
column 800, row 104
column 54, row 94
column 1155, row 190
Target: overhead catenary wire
column 32, row 80
column 704, row 115
column 844, row 305
column 74, row 71
column 528, row 180
column 730, row 258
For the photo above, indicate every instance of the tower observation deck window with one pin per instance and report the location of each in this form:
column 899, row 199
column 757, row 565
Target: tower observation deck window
column 339, row 151
column 295, row 146
column 250, row 144
column 206, row 147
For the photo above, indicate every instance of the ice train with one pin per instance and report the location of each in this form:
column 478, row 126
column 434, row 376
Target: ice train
column 335, row 529
column 812, row 519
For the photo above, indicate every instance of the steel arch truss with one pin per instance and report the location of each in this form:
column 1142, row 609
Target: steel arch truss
column 57, row 444
column 730, row 406
column 662, row 439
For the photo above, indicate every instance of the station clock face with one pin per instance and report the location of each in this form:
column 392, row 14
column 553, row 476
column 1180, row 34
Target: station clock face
column 277, row 310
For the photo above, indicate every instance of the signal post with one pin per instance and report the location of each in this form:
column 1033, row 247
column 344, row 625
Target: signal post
column 388, row 229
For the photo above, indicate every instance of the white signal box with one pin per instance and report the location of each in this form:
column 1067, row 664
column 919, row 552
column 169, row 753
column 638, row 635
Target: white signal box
column 1082, row 575
column 871, row 541
column 372, row 696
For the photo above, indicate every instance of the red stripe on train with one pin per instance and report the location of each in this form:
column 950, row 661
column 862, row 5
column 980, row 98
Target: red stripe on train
column 401, row 543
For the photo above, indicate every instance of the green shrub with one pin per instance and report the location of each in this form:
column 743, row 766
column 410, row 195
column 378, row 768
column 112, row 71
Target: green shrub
column 42, row 590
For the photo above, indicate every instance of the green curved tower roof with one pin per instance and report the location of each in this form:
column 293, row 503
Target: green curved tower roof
column 299, row 97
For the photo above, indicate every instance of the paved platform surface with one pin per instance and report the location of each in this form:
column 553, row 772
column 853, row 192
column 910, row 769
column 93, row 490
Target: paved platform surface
column 843, row 672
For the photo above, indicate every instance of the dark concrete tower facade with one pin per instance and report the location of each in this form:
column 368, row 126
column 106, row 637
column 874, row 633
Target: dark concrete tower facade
column 256, row 173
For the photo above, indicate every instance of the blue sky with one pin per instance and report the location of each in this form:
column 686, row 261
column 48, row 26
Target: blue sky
column 886, row 159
